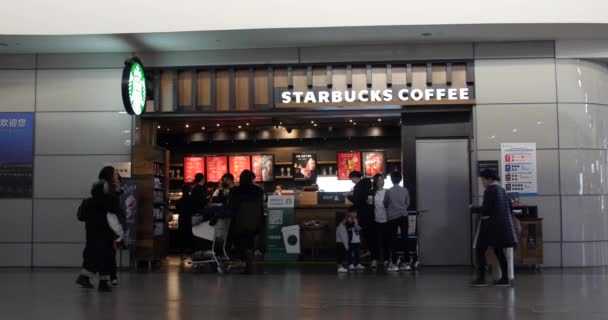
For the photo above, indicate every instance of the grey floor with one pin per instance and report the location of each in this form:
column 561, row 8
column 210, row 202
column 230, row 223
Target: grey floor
column 305, row 293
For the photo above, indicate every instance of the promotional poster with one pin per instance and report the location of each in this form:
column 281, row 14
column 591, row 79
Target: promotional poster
column 305, row 166
column 373, row 163
column 16, row 155
column 518, row 164
column 263, row 167
column 217, row 166
column 128, row 201
column 192, row 166
column 238, row 164
column 347, row 163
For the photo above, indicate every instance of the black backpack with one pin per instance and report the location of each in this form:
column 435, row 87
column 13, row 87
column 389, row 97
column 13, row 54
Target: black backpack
column 83, row 209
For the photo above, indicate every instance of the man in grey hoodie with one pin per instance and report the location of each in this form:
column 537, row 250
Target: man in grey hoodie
column 396, row 200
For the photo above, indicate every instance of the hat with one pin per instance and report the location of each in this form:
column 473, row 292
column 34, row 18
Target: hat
column 489, row 174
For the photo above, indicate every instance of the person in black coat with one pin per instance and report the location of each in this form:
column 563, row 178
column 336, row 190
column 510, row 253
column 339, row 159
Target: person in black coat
column 197, row 204
column 99, row 255
column 361, row 199
column 496, row 229
column 246, row 202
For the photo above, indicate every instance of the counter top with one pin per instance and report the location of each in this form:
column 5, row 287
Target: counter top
column 322, row 206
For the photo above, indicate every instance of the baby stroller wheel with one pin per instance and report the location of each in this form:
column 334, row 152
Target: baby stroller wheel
column 220, row 270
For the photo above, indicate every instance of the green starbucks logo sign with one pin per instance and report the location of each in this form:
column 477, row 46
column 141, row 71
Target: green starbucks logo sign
column 134, row 87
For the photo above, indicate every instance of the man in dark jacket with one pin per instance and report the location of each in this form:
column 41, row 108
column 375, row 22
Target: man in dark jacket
column 496, row 229
column 246, row 203
column 197, row 202
column 361, row 199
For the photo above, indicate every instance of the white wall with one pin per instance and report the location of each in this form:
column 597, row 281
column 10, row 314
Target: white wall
column 135, row 16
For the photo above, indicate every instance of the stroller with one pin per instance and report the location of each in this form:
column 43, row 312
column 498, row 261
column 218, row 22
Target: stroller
column 217, row 257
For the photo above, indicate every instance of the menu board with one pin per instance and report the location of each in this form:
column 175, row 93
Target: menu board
column 192, row 166
column 217, row 166
column 263, row 167
column 305, row 166
column 373, row 163
column 347, row 163
column 238, row 164
column 16, row 157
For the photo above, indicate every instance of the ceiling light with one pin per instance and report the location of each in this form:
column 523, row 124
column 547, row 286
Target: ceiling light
column 218, row 124
column 354, row 123
column 312, row 122
column 379, row 120
column 158, row 127
column 247, row 123
column 315, row 124
column 281, row 123
column 203, row 128
column 187, row 126
column 351, row 120
column 240, row 126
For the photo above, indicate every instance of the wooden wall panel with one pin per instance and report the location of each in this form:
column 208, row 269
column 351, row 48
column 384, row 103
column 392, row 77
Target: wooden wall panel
column 399, row 75
column 203, row 94
column 223, row 90
column 261, row 86
column 379, row 78
column 184, row 87
column 459, row 76
column 300, row 79
column 166, row 91
column 339, row 79
column 419, row 76
column 280, row 77
column 242, row 90
column 319, row 77
column 440, row 75
column 359, row 78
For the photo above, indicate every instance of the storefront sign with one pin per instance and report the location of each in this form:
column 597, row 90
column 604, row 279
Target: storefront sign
column 373, row 163
column 192, row 166
column 280, row 214
column 238, row 164
column 134, row 87
column 387, row 95
column 518, row 163
column 263, row 167
column 305, row 166
column 217, row 166
column 347, row 163
column 16, row 154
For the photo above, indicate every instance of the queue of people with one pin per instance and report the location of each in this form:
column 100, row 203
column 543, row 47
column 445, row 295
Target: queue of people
column 378, row 215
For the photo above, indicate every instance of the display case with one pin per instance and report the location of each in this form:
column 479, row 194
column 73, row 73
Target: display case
column 151, row 173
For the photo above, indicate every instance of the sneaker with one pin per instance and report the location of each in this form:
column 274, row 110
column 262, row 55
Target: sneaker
column 115, row 282
column 84, row 282
column 479, row 283
column 352, row 267
column 503, row 283
column 405, row 267
column 360, row 267
column 392, row 268
column 104, row 286
column 374, row 264
column 341, row 269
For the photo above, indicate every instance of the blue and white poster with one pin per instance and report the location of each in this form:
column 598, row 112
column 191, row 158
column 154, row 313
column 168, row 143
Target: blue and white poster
column 519, row 168
column 17, row 155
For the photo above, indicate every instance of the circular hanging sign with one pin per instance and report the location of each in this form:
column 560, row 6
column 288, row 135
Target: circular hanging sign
column 134, row 87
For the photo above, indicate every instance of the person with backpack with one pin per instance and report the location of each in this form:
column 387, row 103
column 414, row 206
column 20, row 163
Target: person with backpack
column 103, row 230
column 246, row 203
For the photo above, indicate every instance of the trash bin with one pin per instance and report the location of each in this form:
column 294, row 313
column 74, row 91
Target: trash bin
column 291, row 239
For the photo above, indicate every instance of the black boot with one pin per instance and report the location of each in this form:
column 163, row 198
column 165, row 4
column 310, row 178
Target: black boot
column 84, row 282
column 503, row 282
column 248, row 262
column 104, row 286
column 480, row 281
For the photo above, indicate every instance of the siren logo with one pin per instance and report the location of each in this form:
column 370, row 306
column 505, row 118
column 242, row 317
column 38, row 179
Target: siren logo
column 436, row 94
column 137, row 88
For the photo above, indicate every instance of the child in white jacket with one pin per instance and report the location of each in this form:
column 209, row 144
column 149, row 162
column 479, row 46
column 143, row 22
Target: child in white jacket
column 348, row 243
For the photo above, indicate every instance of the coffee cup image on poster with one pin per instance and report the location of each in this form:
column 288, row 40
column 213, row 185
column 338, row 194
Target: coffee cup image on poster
column 305, row 166
column 262, row 166
column 373, row 163
column 16, row 154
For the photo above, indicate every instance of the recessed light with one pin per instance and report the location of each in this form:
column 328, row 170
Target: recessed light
column 218, row 124
column 351, row 120
column 168, row 129
column 354, row 123
column 187, row 126
column 240, row 127
column 315, row 124
column 379, row 120
column 158, row 127
column 312, row 122
column 281, row 123
column 247, row 123
column 203, row 128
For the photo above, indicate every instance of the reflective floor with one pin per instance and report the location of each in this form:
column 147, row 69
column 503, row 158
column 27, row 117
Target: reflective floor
column 306, row 293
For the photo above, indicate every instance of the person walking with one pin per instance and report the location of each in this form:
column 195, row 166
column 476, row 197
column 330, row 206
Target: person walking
column 246, row 202
column 496, row 229
column 362, row 200
column 380, row 250
column 396, row 201
column 102, row 232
